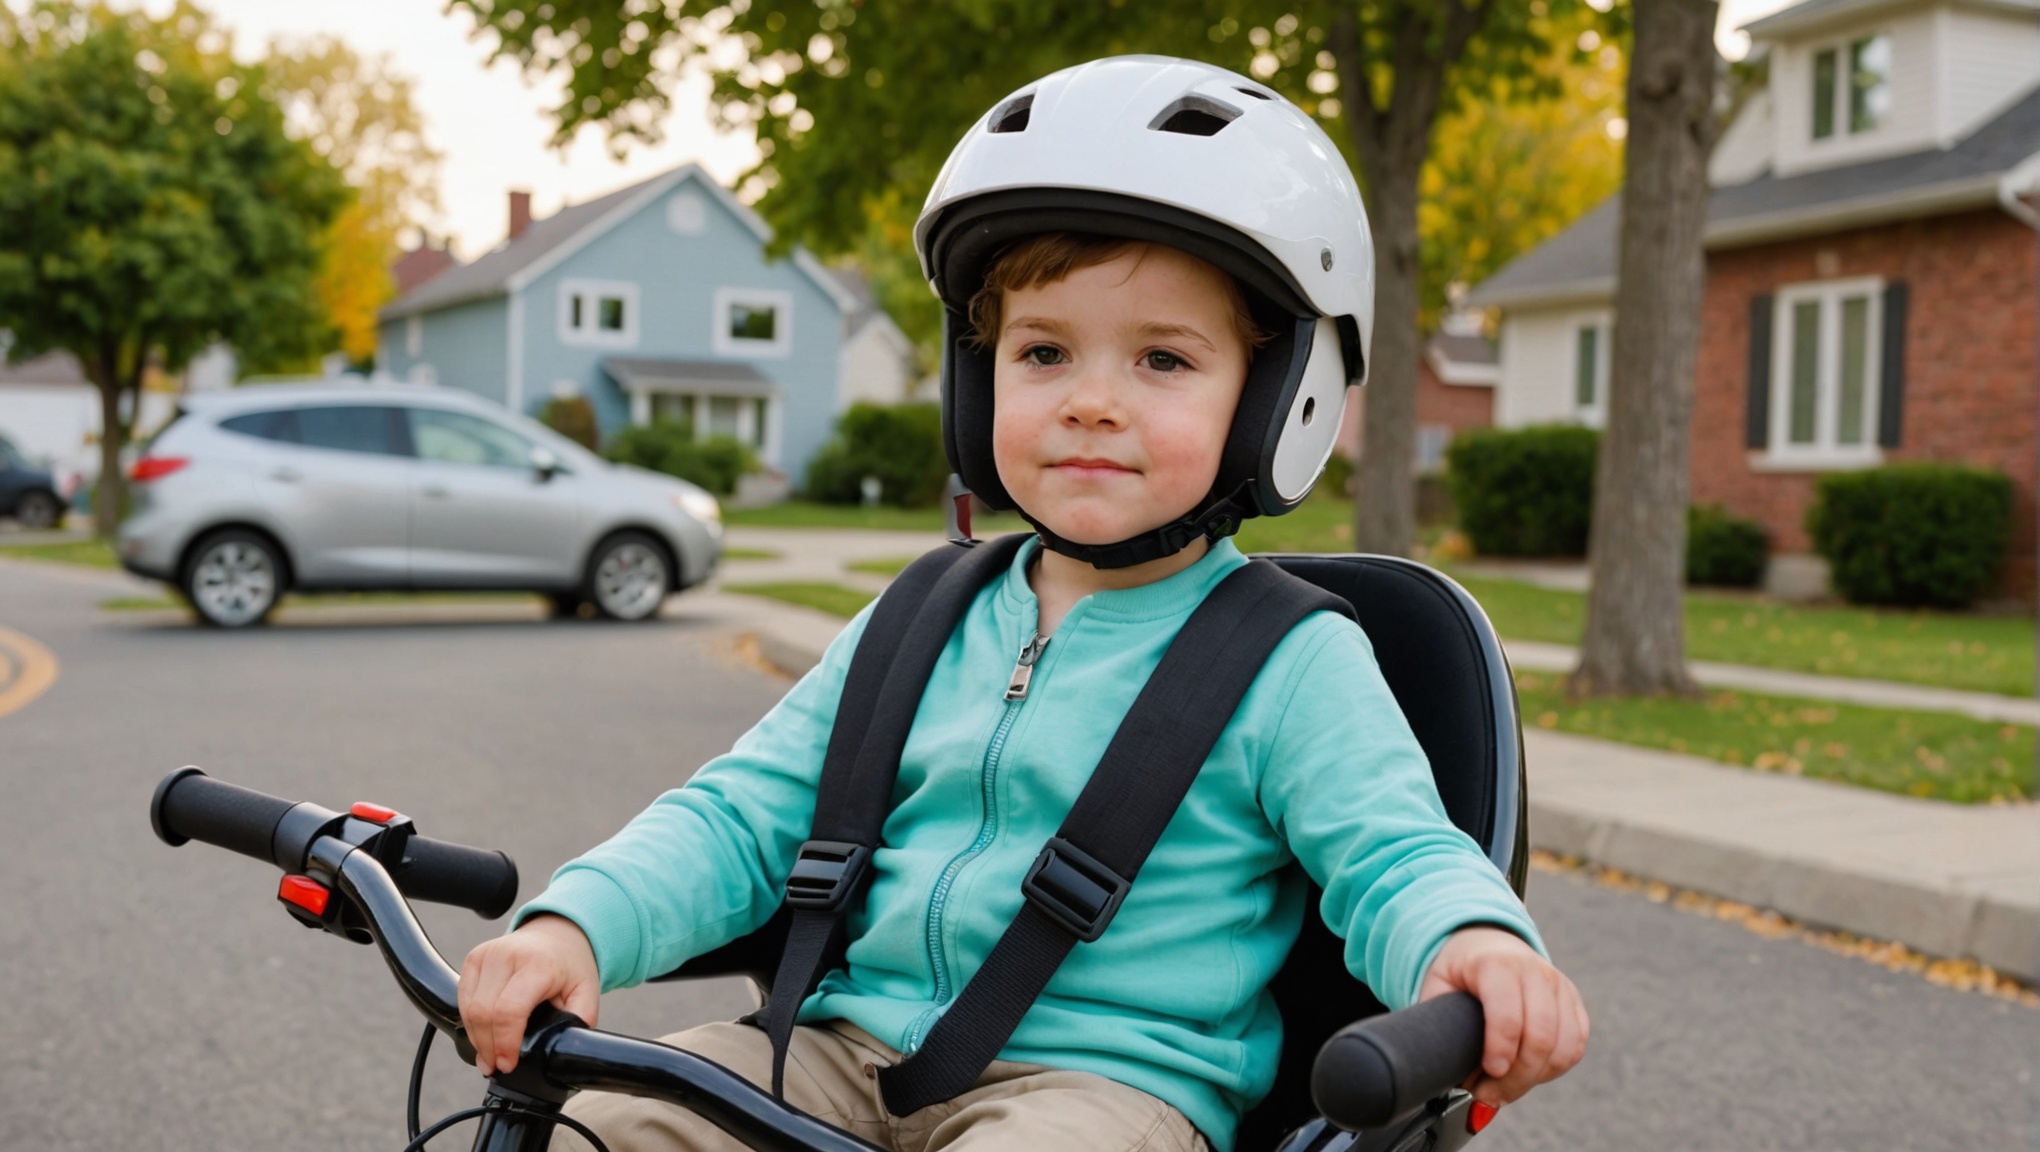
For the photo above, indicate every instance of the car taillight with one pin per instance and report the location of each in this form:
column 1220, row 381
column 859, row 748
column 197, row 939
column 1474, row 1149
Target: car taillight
column 156, row 467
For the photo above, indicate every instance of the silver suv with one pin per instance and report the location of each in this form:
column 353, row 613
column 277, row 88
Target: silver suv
column 257, row 490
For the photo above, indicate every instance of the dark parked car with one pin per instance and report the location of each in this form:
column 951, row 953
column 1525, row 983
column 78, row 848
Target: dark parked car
column 26, row 493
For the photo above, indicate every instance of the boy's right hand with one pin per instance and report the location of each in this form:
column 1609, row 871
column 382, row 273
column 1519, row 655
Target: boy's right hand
column 545, row 959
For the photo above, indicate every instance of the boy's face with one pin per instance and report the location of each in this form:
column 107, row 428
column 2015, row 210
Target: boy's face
column 1114, row 389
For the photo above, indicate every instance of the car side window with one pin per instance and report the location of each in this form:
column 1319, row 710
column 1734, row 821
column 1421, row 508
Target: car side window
column 353, row 428
column 10, row 458
column 458, row 438
column 280, row 424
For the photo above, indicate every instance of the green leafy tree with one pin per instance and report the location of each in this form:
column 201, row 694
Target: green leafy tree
column 359, row 115
column 1509, row 170
column 856, row 105
column 151, row 204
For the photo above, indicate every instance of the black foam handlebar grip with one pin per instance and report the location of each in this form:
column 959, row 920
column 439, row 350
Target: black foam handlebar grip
column 442, row 872
column 189, row 805
column 1373, row 1073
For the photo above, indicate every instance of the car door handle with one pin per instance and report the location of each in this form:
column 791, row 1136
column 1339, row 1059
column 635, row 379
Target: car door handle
column 287, row 475
column 437, row 491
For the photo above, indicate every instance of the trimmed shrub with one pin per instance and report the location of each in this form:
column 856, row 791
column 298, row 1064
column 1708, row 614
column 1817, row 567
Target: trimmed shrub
column 1723, row 549
column 1913, row 534
column 669, row 446
column 1338, row 477
column 901, row 444
column 1524, row 491
column 574, row 418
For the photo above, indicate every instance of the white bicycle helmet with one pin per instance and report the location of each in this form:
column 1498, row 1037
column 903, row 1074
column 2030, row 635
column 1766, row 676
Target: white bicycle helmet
column 1203, row 160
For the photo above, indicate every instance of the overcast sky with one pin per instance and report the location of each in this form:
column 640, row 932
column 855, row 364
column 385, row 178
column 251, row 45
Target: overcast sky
column 493, row 127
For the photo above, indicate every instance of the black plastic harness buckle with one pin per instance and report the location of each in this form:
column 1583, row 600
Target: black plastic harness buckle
column 825, row 875
column 1073, row 889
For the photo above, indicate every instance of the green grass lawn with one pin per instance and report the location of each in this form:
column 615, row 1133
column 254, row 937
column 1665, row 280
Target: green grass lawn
column 749, row 554
column 1946, row 649
column 95, row 553
column 831, row 598
column 803, row 514
column 1930, row 754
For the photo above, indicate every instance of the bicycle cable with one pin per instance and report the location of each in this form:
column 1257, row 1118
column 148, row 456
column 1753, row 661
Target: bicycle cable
column 418, row 1142
column 417, row 1081
column 420, row 1139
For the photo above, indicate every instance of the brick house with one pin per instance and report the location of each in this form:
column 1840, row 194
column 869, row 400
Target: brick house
column 1873, row 273
column 1455, row 391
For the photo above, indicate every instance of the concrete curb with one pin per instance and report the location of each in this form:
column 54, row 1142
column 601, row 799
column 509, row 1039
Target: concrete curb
column 1939, row 878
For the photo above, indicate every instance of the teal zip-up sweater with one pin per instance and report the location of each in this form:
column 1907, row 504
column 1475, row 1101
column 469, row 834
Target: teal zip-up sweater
column 1318, row 766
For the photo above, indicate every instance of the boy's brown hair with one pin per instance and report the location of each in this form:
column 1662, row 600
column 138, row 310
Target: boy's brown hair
column 1047, row 257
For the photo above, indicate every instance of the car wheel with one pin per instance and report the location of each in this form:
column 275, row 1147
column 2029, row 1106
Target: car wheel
column 38, row 511
column 629, row 577
column 234, row 579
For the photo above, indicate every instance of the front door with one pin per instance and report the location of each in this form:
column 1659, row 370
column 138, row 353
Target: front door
column 481, row 515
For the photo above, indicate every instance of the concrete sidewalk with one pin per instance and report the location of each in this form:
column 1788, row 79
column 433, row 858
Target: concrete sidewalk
column 1538, row 656
column 1944, row 879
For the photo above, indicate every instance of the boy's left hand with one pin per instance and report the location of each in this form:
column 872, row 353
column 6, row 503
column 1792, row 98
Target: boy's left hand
column 1536, row 1021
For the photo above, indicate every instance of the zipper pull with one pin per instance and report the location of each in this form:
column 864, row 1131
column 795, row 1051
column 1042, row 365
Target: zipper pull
column 1023, row 669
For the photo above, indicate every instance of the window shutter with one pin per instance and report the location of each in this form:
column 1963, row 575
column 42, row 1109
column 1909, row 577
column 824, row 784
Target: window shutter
column 1758, row 427
column 1891, row 388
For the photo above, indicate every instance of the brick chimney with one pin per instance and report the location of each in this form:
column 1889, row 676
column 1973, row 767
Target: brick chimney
column 520, row 213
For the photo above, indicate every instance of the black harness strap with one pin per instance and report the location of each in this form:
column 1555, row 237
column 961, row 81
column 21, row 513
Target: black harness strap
column 888, row 673
column 1083, row 873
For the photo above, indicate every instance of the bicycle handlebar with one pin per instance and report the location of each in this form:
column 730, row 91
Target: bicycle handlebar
column 189, row 805
column 1374, row 1072
column 1369, row 1075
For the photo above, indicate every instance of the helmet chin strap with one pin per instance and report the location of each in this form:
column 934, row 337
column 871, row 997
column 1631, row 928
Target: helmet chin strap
column 1215, row 521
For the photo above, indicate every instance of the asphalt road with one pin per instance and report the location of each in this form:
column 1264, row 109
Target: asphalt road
column 159, row 999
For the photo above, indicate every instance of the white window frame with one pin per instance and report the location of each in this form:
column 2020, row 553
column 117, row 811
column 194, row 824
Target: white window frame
column 1826, row 452
column 1593, row 415
column 1841, row 98
column 781, row 344
column 589, row 333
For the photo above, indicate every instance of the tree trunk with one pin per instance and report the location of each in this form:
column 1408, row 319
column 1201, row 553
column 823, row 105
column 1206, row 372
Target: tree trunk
column 109, row 495
column 1384, row 507
column 1635, row 640
column 1391, row 141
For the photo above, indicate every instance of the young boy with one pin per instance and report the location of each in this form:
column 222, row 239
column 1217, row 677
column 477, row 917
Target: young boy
column 1134, row 392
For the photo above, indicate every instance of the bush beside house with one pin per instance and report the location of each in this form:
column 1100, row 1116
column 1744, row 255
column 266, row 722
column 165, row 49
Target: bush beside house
column 1525, row 491
column 574, row 418
column 1724, row 550
column 669, row 446
column 900, row 445
column 1922, row 533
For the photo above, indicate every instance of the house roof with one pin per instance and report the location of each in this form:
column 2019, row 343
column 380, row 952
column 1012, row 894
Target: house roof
column 1579, row 263
column 49, row 368
column 547, row 242
column 709, row 377
column 1811, row 15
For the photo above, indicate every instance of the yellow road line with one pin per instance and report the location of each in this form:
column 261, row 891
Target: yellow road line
column 34, row 669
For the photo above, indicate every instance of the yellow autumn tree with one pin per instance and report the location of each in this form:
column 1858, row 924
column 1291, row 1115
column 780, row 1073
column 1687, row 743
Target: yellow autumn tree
column 1506, row 173
column 359, row 114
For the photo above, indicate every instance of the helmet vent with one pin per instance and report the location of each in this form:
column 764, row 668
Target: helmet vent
column 1256, row 93
column 1013, row 117
column 1195, row 116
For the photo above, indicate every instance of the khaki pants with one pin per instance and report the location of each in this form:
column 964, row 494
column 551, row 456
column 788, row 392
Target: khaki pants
column 831, row 1074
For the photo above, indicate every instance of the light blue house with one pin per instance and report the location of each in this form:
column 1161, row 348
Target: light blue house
column 653, row 301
